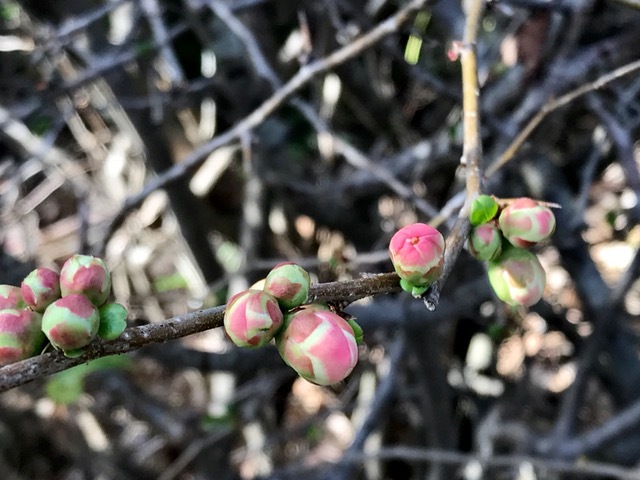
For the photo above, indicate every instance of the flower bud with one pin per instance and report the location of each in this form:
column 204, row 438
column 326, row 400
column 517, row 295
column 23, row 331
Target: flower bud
column 318, row 344
column 252, row 318
column 417, row 253
column 40, row 288
column 289, row 283
column 485, row 242
column 11, row 297
column 86, row 275
column 517, row 277
column 71, row 322
column 20, row 335
column 525, row 222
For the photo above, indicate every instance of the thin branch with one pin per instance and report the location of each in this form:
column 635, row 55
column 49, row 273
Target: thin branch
column 180, row 326
column 471, row 150
column 554, row 104
column 304, row 75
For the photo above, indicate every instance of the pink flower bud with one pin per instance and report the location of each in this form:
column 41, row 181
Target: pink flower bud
column 289, row 283
column 417, row 253
column 252, row 318
column 86, row 275
column 11, row 297
column 20, row 335
column 318, row 344
column 71, row 322
column 40, row 288
column 485, row 242
column 517, row 277
column 525, row 222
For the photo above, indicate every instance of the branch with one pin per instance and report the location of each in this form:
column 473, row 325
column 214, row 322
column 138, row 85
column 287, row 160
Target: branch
column 304, row 75
column 471, row 150
column 180, row 326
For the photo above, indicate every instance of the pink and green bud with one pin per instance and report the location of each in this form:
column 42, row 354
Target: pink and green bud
column 71, row 322
column 417, row 253
column 485, row 242
column 318, row 344
column 525, row 222
column 252, row 318
column 289, row 284
column 20, row 335
column 86, row 275
column 11, row 297
column 40, row 288
column 517, row 277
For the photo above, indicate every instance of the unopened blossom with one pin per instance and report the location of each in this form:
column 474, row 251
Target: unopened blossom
column 20, row 335
column 485, row 241
column 11, row 297
column 417, row 253
column 517, row 277
column 318, row 344
column 71, row 322
column 87, row 275
column 525, row 222
column 40, row 288
column 252, row 318
column 289, row 284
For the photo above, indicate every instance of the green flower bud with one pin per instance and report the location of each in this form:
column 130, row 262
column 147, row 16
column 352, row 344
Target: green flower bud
column 485, row 242
column 289, row 284
column 20, row 335
column 11, row 297
column 86, row 275
column 71, row 322
column 517, row 277
column 525, row 222
column 40, row 288
column 318, row 344
column 252, row 318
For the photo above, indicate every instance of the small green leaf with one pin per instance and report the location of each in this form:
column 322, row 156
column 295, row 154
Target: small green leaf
column 113, row 321
column 483, row 209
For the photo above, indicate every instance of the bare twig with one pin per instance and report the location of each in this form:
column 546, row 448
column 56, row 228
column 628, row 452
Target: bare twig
column 472, row 149
column 554, row 104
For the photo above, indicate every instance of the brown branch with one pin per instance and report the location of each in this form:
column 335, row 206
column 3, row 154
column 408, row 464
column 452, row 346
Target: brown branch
column 471, row 150
column 133, row 338
column 554, row 104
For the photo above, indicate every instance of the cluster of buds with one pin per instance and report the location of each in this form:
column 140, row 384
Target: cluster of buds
column 68, row 309
column 320, row 345
column 501, row 231
column 417, row 254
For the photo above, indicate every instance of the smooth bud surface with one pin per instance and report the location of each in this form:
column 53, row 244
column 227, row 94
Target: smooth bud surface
column 318, row 344
column 40, row 288
column 71, row 322
column 11, row 297
column 289, row 284
column 417, row 253
column 517, row 277
column 485, row 242
column 20, row 335
column 525, row 222
column 252, row 318
column 86, row 275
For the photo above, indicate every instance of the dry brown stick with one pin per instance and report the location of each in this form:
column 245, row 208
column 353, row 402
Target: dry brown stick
column 133, row 338
column 471, row 149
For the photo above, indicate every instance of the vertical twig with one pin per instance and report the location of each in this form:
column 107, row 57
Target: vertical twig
column 471, row 150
